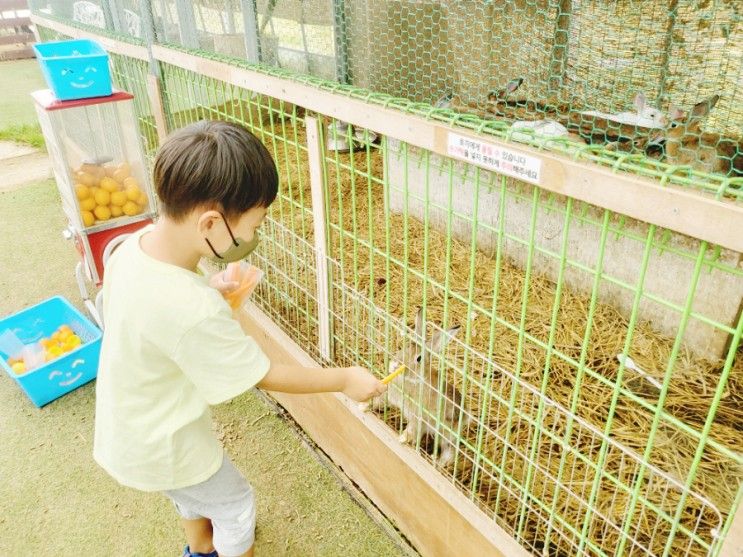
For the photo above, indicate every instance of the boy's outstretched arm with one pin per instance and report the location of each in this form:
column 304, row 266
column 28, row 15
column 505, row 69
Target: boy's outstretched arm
column 355, row 382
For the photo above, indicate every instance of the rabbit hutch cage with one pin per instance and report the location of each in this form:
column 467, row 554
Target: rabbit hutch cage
column 529, row 209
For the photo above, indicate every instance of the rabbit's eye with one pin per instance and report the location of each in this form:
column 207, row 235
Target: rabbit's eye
column 418, row 359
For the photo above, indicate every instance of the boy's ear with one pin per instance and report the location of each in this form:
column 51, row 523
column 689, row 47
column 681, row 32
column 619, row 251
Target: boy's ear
column 207, row 220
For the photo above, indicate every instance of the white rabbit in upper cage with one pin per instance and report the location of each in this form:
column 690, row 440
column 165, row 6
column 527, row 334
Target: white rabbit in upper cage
column 416, row 392
column 644, row 116
column 542, row 128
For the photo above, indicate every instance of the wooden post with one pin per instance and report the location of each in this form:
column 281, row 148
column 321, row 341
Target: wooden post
column 156, row 102
column 315, row 153
column 732, row 545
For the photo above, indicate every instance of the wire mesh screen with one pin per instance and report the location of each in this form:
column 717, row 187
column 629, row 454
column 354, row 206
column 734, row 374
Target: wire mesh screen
column 576, row 373
column 568, row 394
column 660, row 81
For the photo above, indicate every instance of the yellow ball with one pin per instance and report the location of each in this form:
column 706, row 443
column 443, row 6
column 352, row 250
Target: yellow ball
column 118, row 198
column 19, row 367
column 82, row 191
column 72, row 342
column 142, row 199
column 131, row 208
column 120, row 175
column 88, row 204
column 102, row 198
column 131, row 182
column 88, row 218
column 86, row 179
column 95, row 170
column 102, row 212
column 110, row 185
column 116, row 211
column 132, row 193
column 109, row 170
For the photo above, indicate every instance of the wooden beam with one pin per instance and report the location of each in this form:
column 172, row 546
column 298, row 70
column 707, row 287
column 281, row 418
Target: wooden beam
column 18, row 38
column 676, row 208
column 17, row 54
column 156, row 102
column 109, row 44
column 431, row 511
column 315, row 154
column 732, row 546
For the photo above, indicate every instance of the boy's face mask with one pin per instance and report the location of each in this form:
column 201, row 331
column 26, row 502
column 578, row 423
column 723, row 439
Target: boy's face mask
column 239, row 249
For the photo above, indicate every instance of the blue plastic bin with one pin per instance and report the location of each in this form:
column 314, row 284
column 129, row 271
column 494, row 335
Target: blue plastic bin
column 66, row 373
column 75, row 69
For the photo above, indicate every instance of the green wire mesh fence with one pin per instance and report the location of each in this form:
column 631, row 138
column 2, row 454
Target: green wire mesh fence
column 577, row 373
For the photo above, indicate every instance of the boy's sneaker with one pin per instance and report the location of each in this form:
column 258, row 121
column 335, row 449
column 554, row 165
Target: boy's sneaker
column 187, row 553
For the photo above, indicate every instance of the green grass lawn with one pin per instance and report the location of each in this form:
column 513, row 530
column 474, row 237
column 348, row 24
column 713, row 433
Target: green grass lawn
column 18, row 120
column 57, row 501
column 19, row 78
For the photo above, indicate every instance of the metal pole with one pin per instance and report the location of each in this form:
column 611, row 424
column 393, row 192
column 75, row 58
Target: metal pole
column 187, row 24
column 341, row 41
column 250, row 24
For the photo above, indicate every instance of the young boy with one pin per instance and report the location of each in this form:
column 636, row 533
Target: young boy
column 172, row 347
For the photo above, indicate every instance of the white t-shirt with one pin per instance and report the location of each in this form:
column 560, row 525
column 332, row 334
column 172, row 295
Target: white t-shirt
column 170, row 349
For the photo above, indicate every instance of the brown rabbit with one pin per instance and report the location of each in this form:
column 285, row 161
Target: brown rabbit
column 415, row 392
column 503, row 104
column 500, row 103
column 686, row 144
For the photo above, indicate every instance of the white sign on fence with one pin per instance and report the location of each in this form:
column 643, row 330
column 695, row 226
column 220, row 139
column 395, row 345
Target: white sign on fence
column 493, row 157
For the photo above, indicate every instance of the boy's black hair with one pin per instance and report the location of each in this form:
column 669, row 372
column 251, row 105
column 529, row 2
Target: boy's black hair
column 214, row 163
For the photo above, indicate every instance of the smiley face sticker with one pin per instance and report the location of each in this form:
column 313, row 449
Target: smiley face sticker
column 68, row 377
column 80, row 80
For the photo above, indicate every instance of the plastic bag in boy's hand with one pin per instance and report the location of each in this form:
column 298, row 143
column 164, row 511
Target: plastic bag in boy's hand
column 237, row 282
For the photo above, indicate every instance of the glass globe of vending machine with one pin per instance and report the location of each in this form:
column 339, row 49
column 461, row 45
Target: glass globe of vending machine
column 102, row 176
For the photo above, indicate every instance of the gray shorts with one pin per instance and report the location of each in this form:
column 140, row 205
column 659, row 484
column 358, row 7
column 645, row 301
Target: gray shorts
column 227, row 500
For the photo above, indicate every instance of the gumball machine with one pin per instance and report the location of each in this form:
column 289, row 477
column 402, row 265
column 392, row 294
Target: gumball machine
column 101, row 174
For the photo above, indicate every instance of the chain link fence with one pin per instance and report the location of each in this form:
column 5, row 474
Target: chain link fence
column 659, row 80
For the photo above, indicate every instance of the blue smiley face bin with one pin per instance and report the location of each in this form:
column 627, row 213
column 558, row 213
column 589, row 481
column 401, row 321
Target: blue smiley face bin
column 76, row 69
column 66, row 373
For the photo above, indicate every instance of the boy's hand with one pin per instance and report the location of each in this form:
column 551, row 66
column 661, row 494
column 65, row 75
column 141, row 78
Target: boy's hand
column 225, row 281
column 360, row 385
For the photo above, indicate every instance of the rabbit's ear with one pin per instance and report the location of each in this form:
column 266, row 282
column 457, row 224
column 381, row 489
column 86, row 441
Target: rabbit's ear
column 440, row 339
column 419, row 325
column 514, row 84
column 701, row 109
column 676, row 114
column 640, row 101
column 511, row 86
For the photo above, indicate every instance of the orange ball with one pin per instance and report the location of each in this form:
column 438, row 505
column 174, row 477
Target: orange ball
column 102, row 198
column 88, row 204
column 131, row 209
column 110, row 185
column 118, row 198
column 130, row 182
column 119, row 175
column 102, row 212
